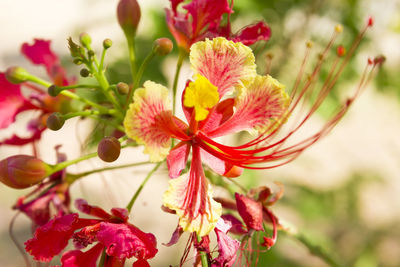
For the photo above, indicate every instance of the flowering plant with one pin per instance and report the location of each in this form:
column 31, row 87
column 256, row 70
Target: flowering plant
column 225, row 95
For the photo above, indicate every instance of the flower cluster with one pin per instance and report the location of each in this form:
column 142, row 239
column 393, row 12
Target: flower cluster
column 224, row 95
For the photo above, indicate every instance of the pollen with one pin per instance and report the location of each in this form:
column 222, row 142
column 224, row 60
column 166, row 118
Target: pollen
column 202, row 95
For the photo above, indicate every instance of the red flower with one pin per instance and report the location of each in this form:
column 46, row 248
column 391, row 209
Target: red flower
column 13, row 102
column 203, row 20
column 112, row 232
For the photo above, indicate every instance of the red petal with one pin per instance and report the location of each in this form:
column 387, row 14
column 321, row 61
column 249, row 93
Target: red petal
column 204, row 12
column 250, row 211
column 51, row 238
column 77, row 258
column 40, row 54
column 175, row 236
column 253, row 33
column 84, row 207
column 125, row 241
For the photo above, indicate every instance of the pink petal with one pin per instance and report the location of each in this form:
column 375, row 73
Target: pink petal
column 262, row 104
column 126, row 240
column 40, row 54
column 204, row 12
column 77, row 258
column 220, row 166
column 191, row 197
column 175, row 236
column 177, row 158
column 38, row 210
column 227, row 247
column 253, row 33
column 237, row 226
column 251, row 212
column 51, row 238
column 12, row 102
column 226, row 64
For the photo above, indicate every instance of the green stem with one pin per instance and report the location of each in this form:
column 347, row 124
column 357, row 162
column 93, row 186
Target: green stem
column 181, row 57
column 132, row 57
column 103, row 55
column 139, row 75
column 135, row 196
column 88, row 102
column 78, row 86
column 85, row 113
column 64, row 164
column 315, row 249
column 74, row 177
column 203, row 255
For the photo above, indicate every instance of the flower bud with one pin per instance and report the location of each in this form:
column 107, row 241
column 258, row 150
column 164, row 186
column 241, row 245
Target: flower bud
column 163, row 46
column 84, row 72
column 55, row 121
column 122, row 88
column 53, row 91
column 107, row 43
column 22, row 171
column 78, row 61
column 85, row 39
column 16, row 75
column 128, row 13
column 109, row 149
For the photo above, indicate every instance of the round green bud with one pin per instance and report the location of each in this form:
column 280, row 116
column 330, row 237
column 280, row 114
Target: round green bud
column 107, row 43
column 90, row 53
column 109, row 149
column 53, row 91
column 55, row 121
column 84, row 72
column 17, row 75
column 85, row 39
column 122, row 88
column 162, row 46
column 78, row 61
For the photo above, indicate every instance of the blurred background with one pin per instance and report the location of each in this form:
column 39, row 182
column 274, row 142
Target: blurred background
column 342, row 195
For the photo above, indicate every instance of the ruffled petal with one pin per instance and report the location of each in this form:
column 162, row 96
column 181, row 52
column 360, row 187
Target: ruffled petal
column 77, row 258
column 126, row 241
column 149, row 120
column 51, row 238
column 224, row 63
column 253, row 33
column 204, row 12
column 227, row 247
column 177, row 158
column 191, row 197
column 12, row 102
column 262, row 104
